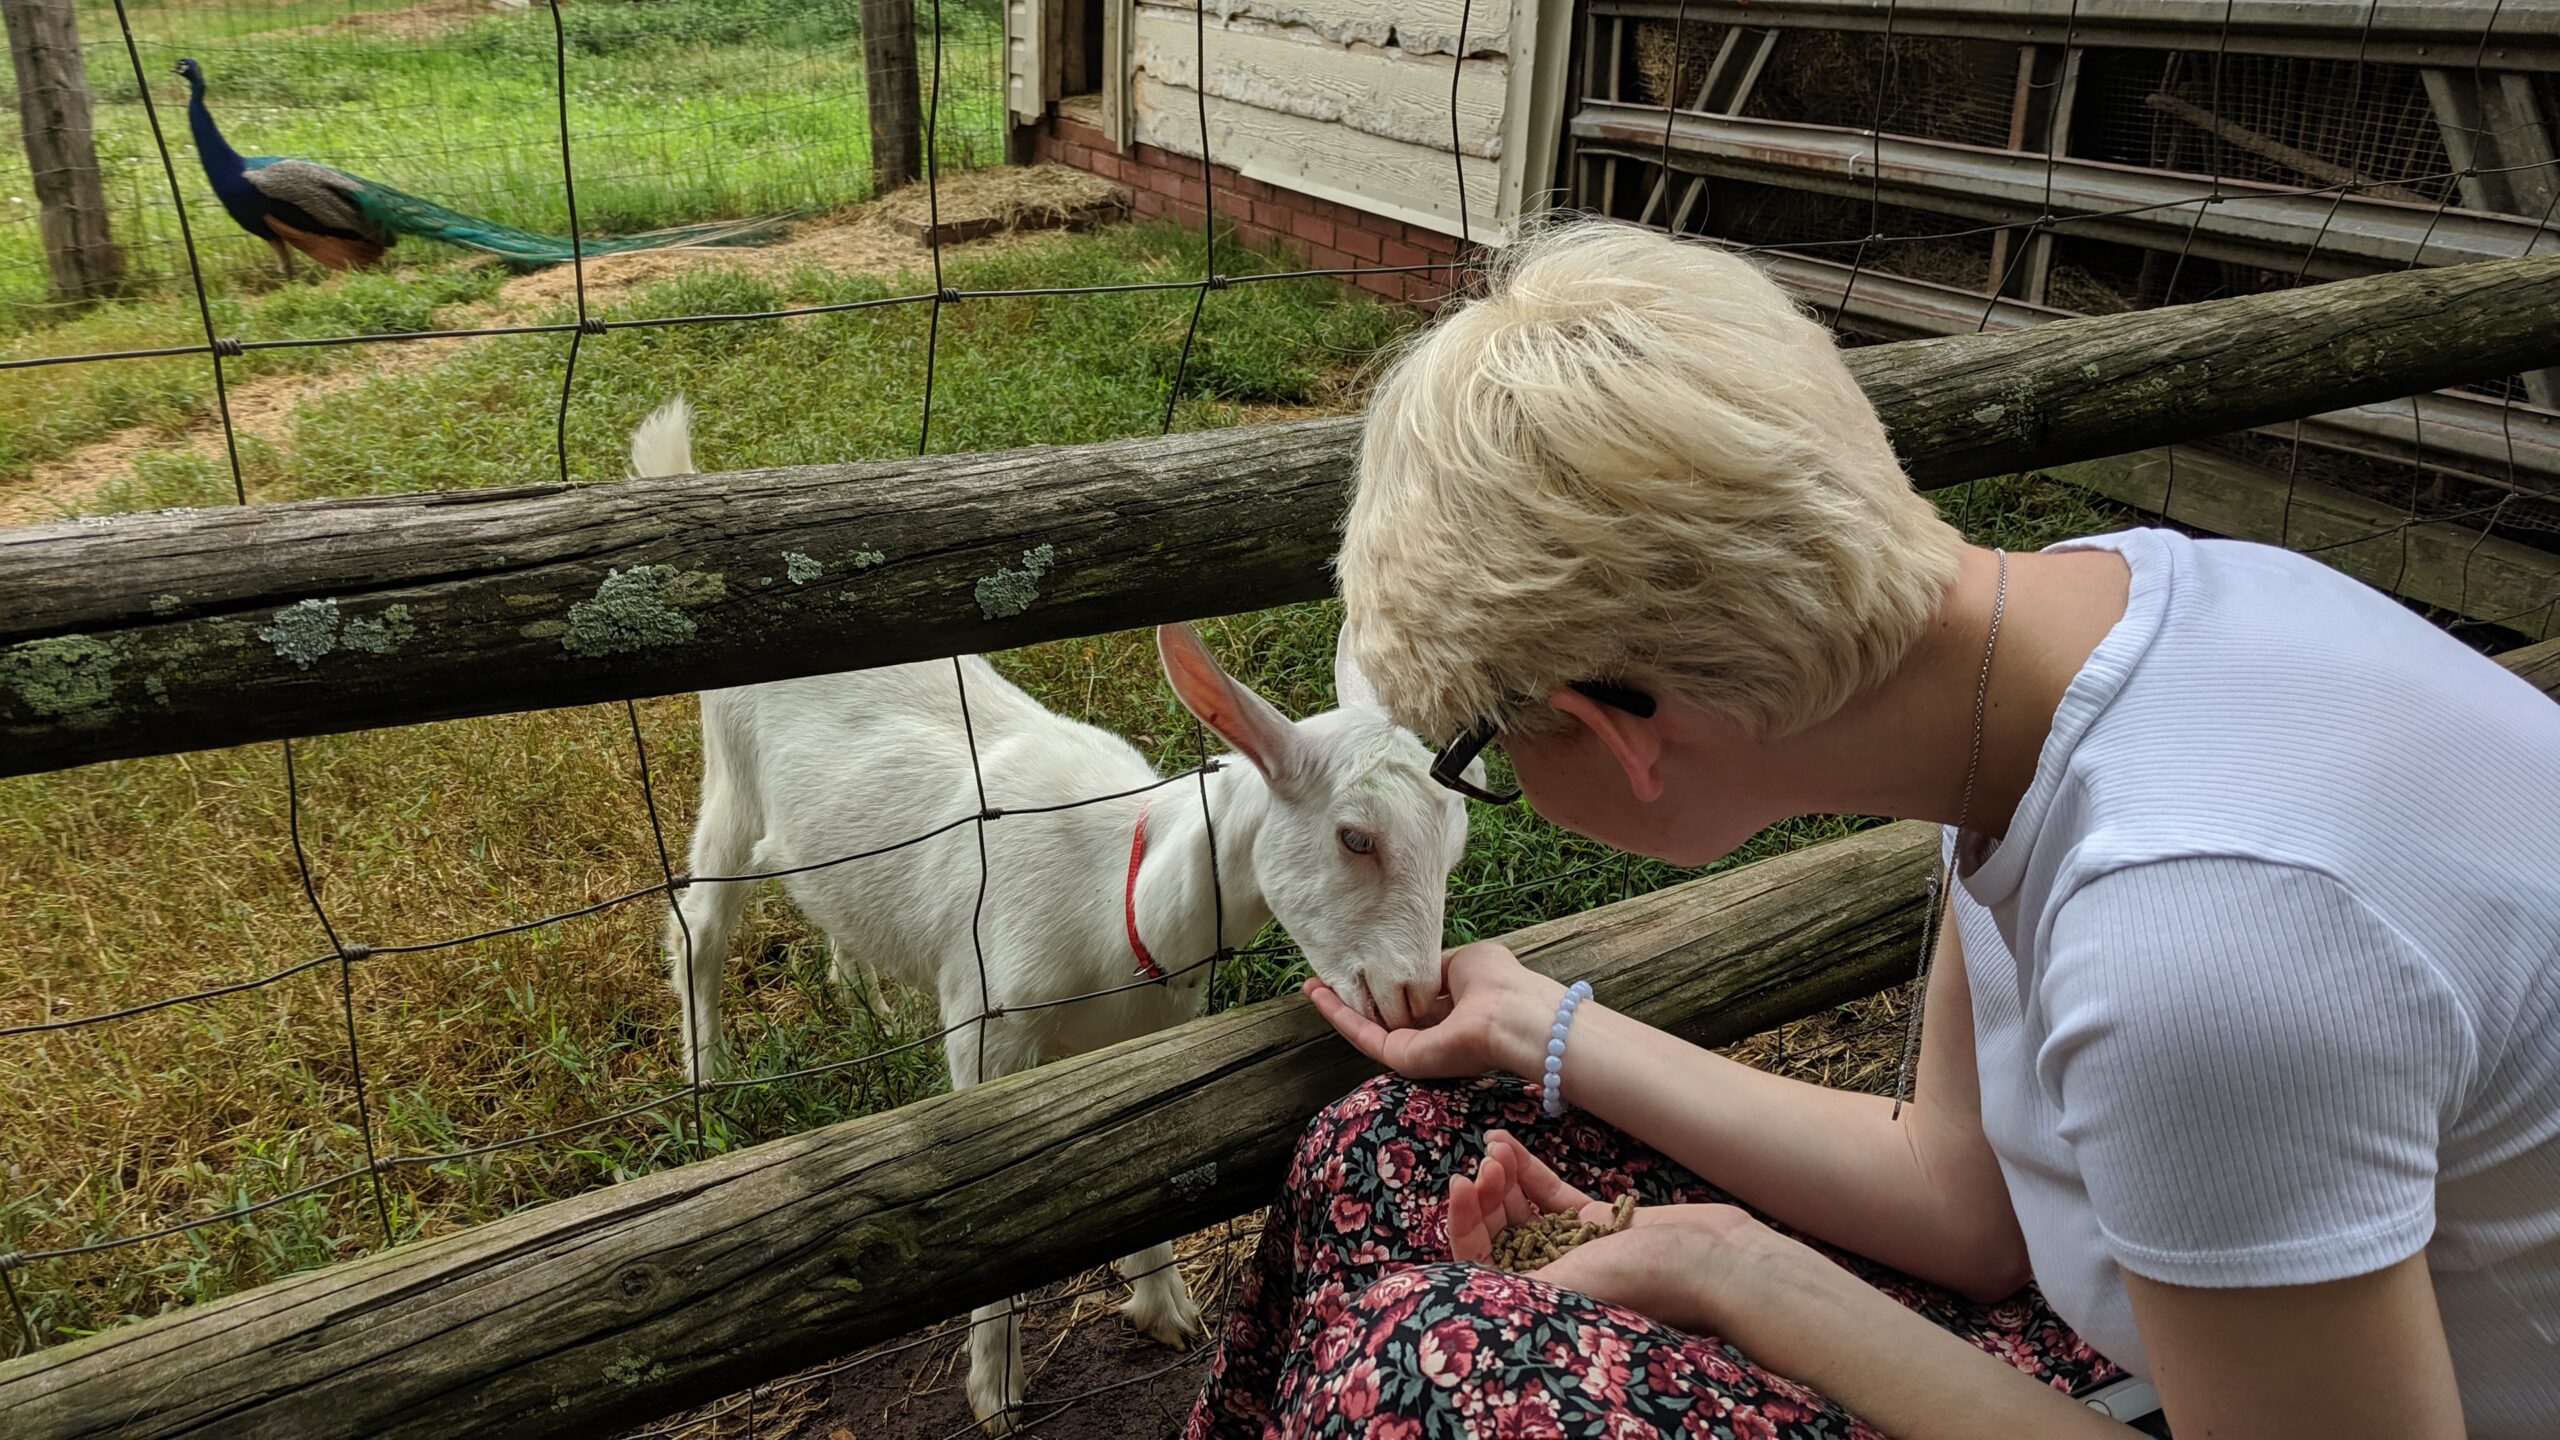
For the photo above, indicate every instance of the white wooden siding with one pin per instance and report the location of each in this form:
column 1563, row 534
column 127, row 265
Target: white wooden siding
column 1345, row 100
column 1024, row 70
column 1533, row 106
column 1387, row 93
column 1422, row 27
column 1413, row 183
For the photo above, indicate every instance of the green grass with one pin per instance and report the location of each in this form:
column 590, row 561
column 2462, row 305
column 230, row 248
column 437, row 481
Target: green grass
column 680, row 110
column 54, row 409
column 1008, row 372
column 147, row 878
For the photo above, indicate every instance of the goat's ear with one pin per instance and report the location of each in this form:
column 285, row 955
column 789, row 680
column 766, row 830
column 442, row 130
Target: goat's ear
column 1241, row 718
column 1351, row 688
column 1476, row 776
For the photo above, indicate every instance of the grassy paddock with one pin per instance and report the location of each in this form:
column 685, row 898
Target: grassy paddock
column 54, row 409
column 140, row 879
column 679, row 110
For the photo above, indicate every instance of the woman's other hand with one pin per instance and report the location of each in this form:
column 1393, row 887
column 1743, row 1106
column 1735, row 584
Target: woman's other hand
column 1662, row 1266
column 1496, row 1017
column 1510, row 1187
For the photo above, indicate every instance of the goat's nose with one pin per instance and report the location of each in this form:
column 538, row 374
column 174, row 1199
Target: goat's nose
column 1425, row 1003
column 1404, row 1005
column 1370, row 1003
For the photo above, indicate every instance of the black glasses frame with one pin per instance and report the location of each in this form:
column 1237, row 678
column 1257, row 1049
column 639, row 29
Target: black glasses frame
column 1450, row 765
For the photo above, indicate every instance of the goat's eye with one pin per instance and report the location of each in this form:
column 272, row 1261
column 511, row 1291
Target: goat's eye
column 1357, row 841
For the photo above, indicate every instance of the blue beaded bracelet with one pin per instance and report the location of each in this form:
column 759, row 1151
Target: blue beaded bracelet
column 1552, row 1087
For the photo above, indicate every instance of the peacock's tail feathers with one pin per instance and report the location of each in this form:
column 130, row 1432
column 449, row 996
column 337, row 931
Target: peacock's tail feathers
column 402, row 213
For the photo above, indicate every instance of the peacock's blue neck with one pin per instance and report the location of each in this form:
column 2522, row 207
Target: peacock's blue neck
column 221, row 163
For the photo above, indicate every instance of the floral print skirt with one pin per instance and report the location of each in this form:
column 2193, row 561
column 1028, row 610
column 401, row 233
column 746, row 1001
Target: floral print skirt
column 1354, row 1321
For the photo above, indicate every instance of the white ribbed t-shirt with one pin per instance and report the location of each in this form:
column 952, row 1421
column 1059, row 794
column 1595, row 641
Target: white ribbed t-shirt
column 2266, row 972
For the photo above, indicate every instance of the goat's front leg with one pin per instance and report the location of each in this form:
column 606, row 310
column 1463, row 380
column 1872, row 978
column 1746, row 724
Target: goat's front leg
column 995, row 1366
column 983, row 1051
column 1160, row 1305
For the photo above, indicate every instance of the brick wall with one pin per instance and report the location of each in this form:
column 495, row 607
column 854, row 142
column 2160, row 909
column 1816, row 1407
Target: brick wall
column 1321, row 234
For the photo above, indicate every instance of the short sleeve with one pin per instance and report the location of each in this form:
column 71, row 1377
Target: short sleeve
column 2253, row 1070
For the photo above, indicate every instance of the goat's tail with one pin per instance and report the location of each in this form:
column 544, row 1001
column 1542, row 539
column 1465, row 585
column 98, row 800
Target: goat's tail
column 663, row 443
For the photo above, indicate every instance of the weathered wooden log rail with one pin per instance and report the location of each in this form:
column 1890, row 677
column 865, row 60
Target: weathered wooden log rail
column 634, row 1302
column 165, row 632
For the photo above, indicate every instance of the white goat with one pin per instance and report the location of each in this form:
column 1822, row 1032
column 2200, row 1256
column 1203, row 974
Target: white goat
column 1333, row 823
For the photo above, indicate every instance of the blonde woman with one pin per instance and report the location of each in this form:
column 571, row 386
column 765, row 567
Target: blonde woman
column 2239, row 1065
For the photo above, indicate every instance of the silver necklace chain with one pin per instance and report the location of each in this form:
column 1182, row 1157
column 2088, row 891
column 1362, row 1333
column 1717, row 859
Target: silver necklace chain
column 1946, row 867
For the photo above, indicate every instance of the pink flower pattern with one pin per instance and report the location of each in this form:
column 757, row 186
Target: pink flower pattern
column 1355, row 1322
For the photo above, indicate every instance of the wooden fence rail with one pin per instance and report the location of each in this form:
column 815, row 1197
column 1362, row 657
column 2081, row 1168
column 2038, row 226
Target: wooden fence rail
column 157, row 633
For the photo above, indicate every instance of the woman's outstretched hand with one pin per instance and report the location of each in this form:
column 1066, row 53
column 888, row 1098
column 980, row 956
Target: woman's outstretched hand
column 1496, row 1007
column 1662, row 1266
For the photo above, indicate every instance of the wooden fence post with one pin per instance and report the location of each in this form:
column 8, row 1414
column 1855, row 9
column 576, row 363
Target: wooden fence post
column 53, row 115
column 889, row 80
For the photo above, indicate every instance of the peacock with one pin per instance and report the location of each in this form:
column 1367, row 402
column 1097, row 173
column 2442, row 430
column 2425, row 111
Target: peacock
column 346, row 222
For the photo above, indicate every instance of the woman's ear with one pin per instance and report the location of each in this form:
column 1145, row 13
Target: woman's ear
column 1634, row 742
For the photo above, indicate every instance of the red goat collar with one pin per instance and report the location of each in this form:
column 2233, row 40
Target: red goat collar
column 1147, row 966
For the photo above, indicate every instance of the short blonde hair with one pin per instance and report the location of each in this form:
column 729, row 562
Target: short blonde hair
column 1631, row 459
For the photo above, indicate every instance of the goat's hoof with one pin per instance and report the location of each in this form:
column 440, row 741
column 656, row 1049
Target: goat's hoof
column 995, row 1414
column 1168, row 1320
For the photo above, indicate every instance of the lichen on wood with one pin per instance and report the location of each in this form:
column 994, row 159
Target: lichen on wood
column 68, row 678
column 308, row 631
column 639, row 609
column 1009, row 591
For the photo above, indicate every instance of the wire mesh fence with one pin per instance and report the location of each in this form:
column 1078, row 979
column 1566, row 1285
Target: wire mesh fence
column 317, row 1125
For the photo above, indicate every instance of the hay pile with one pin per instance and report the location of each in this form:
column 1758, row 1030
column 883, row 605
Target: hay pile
column 1665, row 66
column 1001, row 198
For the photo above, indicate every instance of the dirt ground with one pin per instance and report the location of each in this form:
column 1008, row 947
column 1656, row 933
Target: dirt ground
column 1101, row 1380
column 1091, row 1376
column 414, row 22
